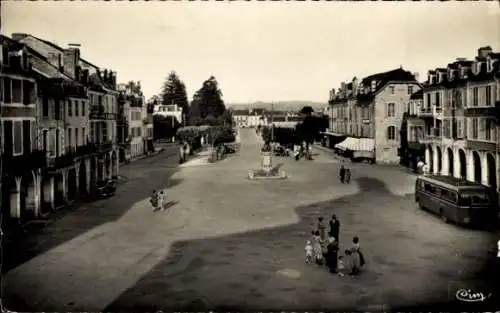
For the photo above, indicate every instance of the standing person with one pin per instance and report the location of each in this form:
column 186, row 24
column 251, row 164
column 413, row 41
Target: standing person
column 348, row 176
column 321, row 228
column 154, row 200
column 161, row 201
column 181, row 154
column 332, row 254
column 309, row 252
column 357, row 257
column 334, row 228
column 342, row 174
column 318, row 249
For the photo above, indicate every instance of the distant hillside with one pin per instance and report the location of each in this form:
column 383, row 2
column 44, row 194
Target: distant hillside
column 279, row 105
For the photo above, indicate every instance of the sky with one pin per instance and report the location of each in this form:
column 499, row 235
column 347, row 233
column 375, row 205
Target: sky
column 260, row 51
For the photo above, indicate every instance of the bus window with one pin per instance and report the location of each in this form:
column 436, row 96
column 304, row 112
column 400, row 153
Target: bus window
column 449, row 195
column 468, row 199
column 429, row 188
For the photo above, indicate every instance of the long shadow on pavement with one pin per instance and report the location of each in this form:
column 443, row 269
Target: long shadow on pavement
column 87, row 217
column 264, row 269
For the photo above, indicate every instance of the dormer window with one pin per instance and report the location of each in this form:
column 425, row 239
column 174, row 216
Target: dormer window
column 463, row 72
column 489, row 64
column 440, row 77
column 450, row 74
column 476, row 68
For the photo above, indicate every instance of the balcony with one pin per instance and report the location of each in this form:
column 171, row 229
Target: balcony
column 477, row 144
column 98, row 113
column 18, row 165
column 481, row 111
column 103, row 147
column 425, row 112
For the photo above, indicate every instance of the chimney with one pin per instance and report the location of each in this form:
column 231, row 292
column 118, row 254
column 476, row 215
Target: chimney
column 373, row 86
column 19, row 36
column 71, row 60
column 484, row 51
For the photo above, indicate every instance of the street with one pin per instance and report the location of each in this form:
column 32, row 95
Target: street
column 229, row 242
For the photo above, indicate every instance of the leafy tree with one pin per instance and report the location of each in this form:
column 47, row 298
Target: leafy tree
column 165, row 127
column 208, row 99
column 174, row 91
column 307, row 110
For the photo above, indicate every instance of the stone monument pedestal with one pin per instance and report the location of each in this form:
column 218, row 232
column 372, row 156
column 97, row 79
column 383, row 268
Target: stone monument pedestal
column 266, row 162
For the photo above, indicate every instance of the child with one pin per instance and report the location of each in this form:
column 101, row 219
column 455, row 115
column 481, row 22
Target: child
column 309, row 252
column 340, row 266
column 321, row 228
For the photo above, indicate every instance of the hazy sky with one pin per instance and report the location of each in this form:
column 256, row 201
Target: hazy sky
column 266, row 51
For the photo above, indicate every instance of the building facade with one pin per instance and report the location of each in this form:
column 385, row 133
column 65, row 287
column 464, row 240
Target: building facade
column 460, row 116
column 369, row 114
column 133, row 109
column 58, row 126
column 169, row 110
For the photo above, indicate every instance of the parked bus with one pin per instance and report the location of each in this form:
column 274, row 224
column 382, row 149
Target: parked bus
column 456, row 200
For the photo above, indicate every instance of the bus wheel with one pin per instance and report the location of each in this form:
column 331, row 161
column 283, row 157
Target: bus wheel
column 443, row 217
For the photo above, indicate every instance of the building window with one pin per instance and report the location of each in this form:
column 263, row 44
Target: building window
column 475, row 128
column 391, row 110
column 438, row 100
column 139, row 132
column 391, row 89
column 7, row 90
column 83, row 107
column 77, row 139
column 28, row 92
column 488, row 96
column 475, row 96
column 18, row 137
column 70, row 107
column 488, row 127
column 428, row 104
column 460, row 128
column 17, row 95
column 84, row 136
column 70, row 138
column 391, row 133
column 76, row 108
column 410, row 90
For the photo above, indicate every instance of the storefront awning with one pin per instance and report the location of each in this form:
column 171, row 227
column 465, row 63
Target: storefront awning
column 349, row 143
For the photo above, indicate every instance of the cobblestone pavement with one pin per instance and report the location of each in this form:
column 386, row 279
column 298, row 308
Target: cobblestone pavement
column 229, row 242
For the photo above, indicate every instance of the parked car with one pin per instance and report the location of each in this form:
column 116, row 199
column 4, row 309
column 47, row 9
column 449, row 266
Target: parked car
column 105, row 188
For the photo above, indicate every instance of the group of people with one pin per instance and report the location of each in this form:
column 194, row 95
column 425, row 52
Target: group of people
column 157, row 200
column 325, row 251
column 300, row 151
column 345, row 175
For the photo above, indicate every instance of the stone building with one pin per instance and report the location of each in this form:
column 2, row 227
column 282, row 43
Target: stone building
column 22, row 161
column 134, row 120
column 367, row 115
column 459, row 110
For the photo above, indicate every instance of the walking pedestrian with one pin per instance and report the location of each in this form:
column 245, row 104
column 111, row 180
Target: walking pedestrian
column 318, row 249
column 154, row 200
column 342, row 174
column 348, row 176
column 161, row 201
column 309, row 252
column 334, row 227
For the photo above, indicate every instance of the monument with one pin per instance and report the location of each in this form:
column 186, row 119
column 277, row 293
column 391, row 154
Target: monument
column 267, row 170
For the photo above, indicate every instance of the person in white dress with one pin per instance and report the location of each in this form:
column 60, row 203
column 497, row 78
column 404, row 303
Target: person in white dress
column 161, row 201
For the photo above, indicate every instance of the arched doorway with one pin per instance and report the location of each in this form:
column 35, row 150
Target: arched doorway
column 439, row 160
column 27, row 196
column 107, row 165
column 82, row 179
column 463, row 164
column 9, row 199
column 72, row 190
column 58, row 190
column 114, row 164
column 430, row 161
column 477, row 166
column 492, row 171
column 451, row 168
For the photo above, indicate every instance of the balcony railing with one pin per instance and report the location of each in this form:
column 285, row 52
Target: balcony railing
column 425, row 111
column 102, row 116
column 17, row 165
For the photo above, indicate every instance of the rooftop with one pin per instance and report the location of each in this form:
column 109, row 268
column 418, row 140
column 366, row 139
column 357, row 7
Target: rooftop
column 457, row 182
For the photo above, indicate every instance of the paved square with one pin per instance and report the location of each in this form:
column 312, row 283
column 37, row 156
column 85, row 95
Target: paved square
column 230, row 242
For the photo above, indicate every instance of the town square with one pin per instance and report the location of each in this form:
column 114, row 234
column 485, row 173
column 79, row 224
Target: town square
column 187, row 179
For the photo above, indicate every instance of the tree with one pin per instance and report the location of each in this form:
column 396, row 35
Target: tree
column 209, row 99
column 307, row 110
column 165, row 127
column 174, row 92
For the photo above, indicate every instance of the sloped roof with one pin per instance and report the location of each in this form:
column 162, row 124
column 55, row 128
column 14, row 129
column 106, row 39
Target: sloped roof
column 240, row 112
column 393, row 75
